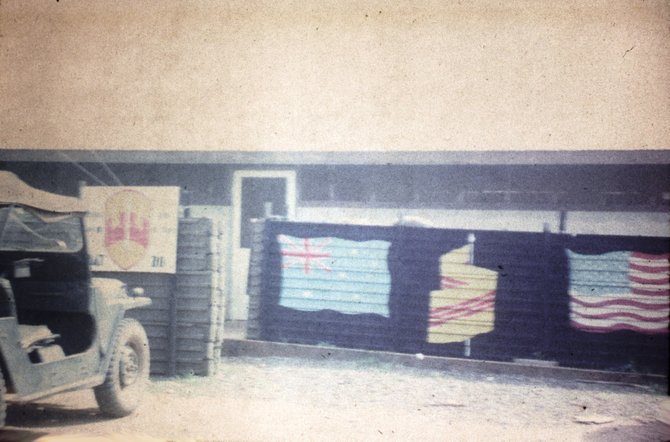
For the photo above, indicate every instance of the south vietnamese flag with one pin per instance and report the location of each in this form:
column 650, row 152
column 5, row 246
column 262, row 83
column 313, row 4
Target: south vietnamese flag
column 464, row 305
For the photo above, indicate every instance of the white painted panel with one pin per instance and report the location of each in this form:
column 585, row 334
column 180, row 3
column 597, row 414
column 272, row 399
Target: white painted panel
column 132, row 229
column 619, row 223
column 522, row 221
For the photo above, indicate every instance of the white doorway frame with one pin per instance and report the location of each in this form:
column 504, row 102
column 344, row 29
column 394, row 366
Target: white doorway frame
column 238, row 302
column 239, row 175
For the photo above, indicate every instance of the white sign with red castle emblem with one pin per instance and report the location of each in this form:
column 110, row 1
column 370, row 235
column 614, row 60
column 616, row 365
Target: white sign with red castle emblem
column 132, row 229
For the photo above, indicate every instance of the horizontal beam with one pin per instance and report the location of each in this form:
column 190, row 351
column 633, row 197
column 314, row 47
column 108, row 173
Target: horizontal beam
column 511, row 157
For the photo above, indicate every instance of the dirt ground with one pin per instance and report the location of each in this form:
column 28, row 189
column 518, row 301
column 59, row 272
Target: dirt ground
column 269, row 399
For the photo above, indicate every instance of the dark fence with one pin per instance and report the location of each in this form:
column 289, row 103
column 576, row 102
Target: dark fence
column 596, row 302
column 184, row 322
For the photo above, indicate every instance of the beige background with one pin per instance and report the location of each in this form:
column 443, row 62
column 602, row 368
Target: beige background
column 159, row 204
column 353, row 75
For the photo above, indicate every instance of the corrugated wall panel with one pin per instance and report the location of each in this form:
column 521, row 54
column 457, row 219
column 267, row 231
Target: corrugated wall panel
column 255, row 279
column 184, row 319
column 199, row 303
column 492, row 295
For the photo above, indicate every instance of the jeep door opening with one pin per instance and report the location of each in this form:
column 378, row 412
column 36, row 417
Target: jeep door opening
column 61, row 329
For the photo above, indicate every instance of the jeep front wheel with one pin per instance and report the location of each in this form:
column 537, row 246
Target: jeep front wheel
column 128, row 372
column 3, row 402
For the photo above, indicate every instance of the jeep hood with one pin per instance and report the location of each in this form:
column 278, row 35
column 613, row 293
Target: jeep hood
column 15, row 191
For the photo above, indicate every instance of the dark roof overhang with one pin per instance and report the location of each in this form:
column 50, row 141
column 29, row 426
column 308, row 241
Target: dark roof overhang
column 509, row 157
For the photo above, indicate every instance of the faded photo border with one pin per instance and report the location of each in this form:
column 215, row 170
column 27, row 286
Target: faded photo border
column 340, row 83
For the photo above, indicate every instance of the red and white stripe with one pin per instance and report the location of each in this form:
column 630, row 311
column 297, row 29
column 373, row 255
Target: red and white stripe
column 478, row 304
column 646, row 309
column 649, row 274
column 610, row 325
column 619, row 310
column 447, row 282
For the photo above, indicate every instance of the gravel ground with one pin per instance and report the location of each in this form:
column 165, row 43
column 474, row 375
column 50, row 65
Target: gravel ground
column 271, row 399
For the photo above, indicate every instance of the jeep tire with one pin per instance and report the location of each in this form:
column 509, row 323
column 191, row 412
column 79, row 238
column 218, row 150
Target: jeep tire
column 128, row 372
column 3, row 401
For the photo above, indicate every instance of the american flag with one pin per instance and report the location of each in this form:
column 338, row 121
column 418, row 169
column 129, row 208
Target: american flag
column 464, row 305
column 330, row 273
column 620, row 291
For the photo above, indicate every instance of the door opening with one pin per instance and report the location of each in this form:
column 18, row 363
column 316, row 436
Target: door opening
column 256, row 194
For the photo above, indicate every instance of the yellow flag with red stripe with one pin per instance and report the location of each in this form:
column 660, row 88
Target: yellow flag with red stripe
column 464, row 306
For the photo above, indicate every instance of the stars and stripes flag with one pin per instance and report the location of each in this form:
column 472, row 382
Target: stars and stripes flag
column 330, row 273
column 464, row 305
column 619, row 291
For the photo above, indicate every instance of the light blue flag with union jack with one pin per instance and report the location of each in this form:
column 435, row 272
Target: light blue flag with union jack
column 328, row 273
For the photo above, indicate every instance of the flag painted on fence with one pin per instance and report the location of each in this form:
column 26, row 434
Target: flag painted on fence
column 464, row 305
column 619, row 291
column 346, row 276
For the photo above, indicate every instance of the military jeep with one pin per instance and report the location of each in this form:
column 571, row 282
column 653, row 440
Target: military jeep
column 60, row 328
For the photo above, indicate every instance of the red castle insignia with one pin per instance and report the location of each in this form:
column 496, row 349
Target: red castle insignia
column 126, row 230
column 127, row 227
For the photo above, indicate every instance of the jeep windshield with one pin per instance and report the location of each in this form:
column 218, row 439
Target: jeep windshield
column 32, row 230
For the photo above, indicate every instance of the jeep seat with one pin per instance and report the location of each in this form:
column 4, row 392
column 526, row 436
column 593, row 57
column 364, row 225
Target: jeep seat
column 30, row 336
column 35, row 336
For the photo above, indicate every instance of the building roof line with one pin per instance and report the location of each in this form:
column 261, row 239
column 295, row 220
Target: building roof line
column 510, row 157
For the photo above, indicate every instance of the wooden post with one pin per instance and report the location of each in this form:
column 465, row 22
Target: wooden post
column 471, row 260
column 172, row 328
column 547, row 285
